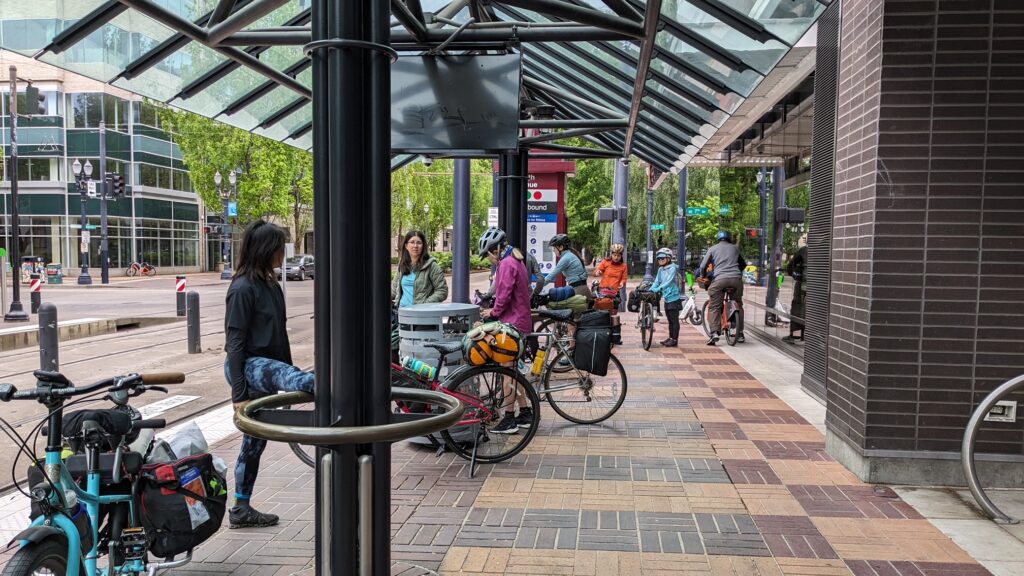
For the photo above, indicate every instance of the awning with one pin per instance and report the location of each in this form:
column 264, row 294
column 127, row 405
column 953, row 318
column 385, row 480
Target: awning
column 242, row 61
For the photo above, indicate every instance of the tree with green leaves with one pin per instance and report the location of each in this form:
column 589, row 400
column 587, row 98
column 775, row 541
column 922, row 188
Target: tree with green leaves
column 275, row 180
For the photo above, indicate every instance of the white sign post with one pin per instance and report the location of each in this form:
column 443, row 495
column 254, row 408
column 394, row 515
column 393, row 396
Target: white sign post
column 492, row 217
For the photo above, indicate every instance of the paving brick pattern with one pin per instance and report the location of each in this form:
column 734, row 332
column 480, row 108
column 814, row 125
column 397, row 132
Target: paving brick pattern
column 702, row 471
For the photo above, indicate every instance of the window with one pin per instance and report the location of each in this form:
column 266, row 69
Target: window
column 38, row 169
column 88, row 110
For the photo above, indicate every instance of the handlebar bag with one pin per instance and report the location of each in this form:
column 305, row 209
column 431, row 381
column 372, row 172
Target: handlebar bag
column 183, row 504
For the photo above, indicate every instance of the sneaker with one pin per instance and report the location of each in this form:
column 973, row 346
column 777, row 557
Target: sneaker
column 670, row 343
column 507, row 425
column 665, row 341
column 525, row 418
column 249, row 517
column 740, row 339
column 713, row 339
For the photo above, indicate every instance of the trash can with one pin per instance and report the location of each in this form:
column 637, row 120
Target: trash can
column 424, row 323
column 54, row 273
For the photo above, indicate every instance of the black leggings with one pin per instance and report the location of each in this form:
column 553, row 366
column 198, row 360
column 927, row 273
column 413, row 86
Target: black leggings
column 672, row 313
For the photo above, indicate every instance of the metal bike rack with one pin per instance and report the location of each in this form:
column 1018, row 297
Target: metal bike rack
column 967, row 450
column 292, row 426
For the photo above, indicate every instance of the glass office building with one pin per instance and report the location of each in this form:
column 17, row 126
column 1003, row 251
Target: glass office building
column 158, row 221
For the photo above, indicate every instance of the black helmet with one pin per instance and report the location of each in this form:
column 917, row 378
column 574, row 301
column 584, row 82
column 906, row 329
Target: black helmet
column 559, row 240
column 724, row 235
column 492, row 238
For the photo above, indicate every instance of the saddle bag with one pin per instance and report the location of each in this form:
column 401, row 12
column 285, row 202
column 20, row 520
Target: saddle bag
column 182, row 504
column 593, row 342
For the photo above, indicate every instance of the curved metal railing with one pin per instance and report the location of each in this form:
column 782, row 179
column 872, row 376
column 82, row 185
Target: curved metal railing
column 335, row 436
column 967, row 450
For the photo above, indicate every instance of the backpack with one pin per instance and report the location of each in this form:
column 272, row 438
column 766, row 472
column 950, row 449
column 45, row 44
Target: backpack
column 183, row 504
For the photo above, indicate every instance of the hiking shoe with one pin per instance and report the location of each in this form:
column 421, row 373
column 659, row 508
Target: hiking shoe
column 665, row 341
column 713, row 339
column 507, row 425
column 740, row 339
column 670, row 343
column 249, row 517
column 525, row 418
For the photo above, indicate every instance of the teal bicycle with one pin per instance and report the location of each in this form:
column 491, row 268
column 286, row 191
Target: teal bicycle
column 65, row 536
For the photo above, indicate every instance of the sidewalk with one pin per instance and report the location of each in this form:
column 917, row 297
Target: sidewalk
column 703, row 471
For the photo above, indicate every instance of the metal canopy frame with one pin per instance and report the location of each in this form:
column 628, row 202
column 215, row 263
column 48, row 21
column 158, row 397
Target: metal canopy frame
column 664, row 75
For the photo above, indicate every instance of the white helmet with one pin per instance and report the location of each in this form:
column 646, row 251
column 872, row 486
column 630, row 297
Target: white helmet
column 491, row 239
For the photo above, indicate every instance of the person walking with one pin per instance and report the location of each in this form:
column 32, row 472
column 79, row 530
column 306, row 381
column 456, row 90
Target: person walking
column 666, row 283
column 795, row 269
column 420, row 279
column 726, row 272
column 569, row 265
column 259, row 357
column 511, row 306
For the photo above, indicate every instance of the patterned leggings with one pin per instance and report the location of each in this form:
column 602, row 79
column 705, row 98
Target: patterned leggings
column 264, row 377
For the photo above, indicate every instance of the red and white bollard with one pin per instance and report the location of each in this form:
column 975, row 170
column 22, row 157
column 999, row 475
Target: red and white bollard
column 36, row 286
column 179, row 293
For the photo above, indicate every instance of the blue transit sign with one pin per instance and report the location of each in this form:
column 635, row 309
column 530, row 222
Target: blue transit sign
column 232, row 208
column 724, row 209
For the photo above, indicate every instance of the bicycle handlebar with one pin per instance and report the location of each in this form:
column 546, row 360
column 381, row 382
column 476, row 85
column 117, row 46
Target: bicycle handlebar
column 8, row 392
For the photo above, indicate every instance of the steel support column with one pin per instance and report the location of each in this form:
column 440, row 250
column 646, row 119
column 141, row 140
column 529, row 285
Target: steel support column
column 649, row 269
column 681, row 229
column 521, row 186
column 620, row 201
column 762, row 241
column 460, row 233
column 103, row 187
column 352, row 171
column 778, row 201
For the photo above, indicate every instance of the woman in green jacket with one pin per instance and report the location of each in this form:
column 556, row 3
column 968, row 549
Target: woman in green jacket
column 420, row 279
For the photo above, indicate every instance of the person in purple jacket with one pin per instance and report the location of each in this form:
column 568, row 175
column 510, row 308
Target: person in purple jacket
column 511, row 306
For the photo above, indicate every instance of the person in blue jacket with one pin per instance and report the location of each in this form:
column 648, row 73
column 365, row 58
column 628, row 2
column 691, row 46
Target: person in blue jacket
column 666, row 283
column 569, row 265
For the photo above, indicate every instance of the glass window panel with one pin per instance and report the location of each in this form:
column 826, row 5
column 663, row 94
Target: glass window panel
column 281, row 15
column 217, row 96
column 24, row 29
column 716, row 117
column 178, row 70
column 728, row 102
column 250, row 116
column 282, row 129
column 787, row 19
column 740, row 82
column 761, row 55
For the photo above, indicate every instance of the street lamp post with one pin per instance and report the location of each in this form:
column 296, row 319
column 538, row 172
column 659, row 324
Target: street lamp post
column 83, row 174
column 225, row 195
column 17, row 311
column 426, row 226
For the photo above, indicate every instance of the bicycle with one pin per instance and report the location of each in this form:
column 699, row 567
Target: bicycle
column 55, row 540
column 732, row 317
column 137, row 269
column 691, row 312
column 566, row 387
column 482, row 389
column 645, row 319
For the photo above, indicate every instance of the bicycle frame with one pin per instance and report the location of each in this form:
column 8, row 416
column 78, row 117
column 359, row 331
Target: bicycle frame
column 435, row 384
column 561, row 345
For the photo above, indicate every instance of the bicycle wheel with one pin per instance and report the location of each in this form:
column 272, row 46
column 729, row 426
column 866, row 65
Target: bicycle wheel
column 706, row 318
column 732, row 334
column 129, row 271
column 696, row 316
column 646, row 325
column 151, row 271
column 586, row 398
column 47, row 557
column 483, row 391
column 405, row 378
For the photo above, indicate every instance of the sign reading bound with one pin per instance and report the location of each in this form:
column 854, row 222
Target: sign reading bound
column 541, row 217
column 697, row 211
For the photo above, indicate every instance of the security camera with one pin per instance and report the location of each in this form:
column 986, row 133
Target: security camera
column 427, row 161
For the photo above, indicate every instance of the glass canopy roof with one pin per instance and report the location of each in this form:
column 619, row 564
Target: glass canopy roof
column 697, row 62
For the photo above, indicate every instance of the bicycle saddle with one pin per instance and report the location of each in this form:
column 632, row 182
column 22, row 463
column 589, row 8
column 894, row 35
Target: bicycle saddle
column 444, row 347
column 556, row 314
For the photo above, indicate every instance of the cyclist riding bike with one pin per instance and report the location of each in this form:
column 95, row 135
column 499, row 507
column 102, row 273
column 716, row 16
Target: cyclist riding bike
column 726, row 273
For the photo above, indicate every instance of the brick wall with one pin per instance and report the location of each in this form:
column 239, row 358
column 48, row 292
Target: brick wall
column 928, row 277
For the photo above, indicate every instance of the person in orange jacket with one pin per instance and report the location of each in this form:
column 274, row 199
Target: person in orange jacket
column 613, row 271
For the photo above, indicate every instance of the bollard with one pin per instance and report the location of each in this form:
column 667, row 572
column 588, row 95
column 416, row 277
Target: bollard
column 49, row 338
column 37, row 291
column 179, row 294
column 194, row 346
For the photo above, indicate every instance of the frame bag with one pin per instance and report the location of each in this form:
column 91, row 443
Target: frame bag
column 593, row 342
column 183, row 504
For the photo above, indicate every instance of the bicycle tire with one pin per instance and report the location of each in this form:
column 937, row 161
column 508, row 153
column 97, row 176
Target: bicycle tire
column 616, row 397
column 462, row 386
column 50, row 554
column 151, row 271
column 696, row 316
column 646, row 326
column 732, row 334
column 705, row 312
column 129, row 272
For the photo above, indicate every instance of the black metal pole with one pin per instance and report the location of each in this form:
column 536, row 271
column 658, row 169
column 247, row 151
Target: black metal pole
column 460, row 231
column 225, row 233
column 16, row 313
column 778, row 201
column 620, row 200
column 649, row 268
column 521, row 187
column 192, row 305
column 681, row 219
column 49, row 338
column 103, row 187
column 762, row 241
column 84, row 278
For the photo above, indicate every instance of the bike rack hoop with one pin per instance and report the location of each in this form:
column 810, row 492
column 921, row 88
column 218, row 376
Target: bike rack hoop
column 967, row 449
column 246, row 422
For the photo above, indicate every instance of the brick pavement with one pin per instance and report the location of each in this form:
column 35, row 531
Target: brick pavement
column 702, row 471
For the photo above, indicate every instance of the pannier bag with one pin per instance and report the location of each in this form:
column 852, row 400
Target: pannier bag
column 183, row 504
column 577, row 304
column 493, row 341
column 593, row 342
column 633, row 300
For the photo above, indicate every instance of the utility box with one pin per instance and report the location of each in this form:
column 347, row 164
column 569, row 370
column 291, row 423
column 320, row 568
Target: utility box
column 54, row 273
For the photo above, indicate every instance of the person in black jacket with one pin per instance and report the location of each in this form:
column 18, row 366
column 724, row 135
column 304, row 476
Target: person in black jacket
column 259, row 357
column 795, row 268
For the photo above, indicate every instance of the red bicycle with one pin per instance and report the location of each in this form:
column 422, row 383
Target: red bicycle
column 140, row 269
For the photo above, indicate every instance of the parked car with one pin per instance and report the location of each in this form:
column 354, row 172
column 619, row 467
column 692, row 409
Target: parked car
column 298, row 267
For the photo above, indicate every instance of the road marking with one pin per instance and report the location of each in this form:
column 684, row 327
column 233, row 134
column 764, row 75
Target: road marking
column 151, row 410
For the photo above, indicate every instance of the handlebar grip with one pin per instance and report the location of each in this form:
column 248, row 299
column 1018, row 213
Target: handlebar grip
column 150, row 423
column 163, row 378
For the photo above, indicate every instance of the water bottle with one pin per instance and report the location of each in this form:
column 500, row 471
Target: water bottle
column 538, row 361
column 422, row 368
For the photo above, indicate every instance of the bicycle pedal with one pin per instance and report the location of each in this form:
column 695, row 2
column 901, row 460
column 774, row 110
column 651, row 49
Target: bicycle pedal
column 134, row 543
column 440, row 451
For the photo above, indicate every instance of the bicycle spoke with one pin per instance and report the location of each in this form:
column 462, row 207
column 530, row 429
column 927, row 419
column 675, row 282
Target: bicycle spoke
column 489, row 393
column 586, row 398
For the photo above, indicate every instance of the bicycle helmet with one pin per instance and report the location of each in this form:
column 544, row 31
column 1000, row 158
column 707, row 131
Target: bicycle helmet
column 724, row 235
column 617, row 249
column 663, row 253
column 559, row 240
column 490, row 241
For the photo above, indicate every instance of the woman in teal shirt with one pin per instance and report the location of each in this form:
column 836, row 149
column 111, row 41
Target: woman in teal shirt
column 420, row 279
column 569, row 265
column 666, row 283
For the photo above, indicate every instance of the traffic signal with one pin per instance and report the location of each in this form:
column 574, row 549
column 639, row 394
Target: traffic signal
column 35, row 101
column 117, row 188
column 753, row 233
